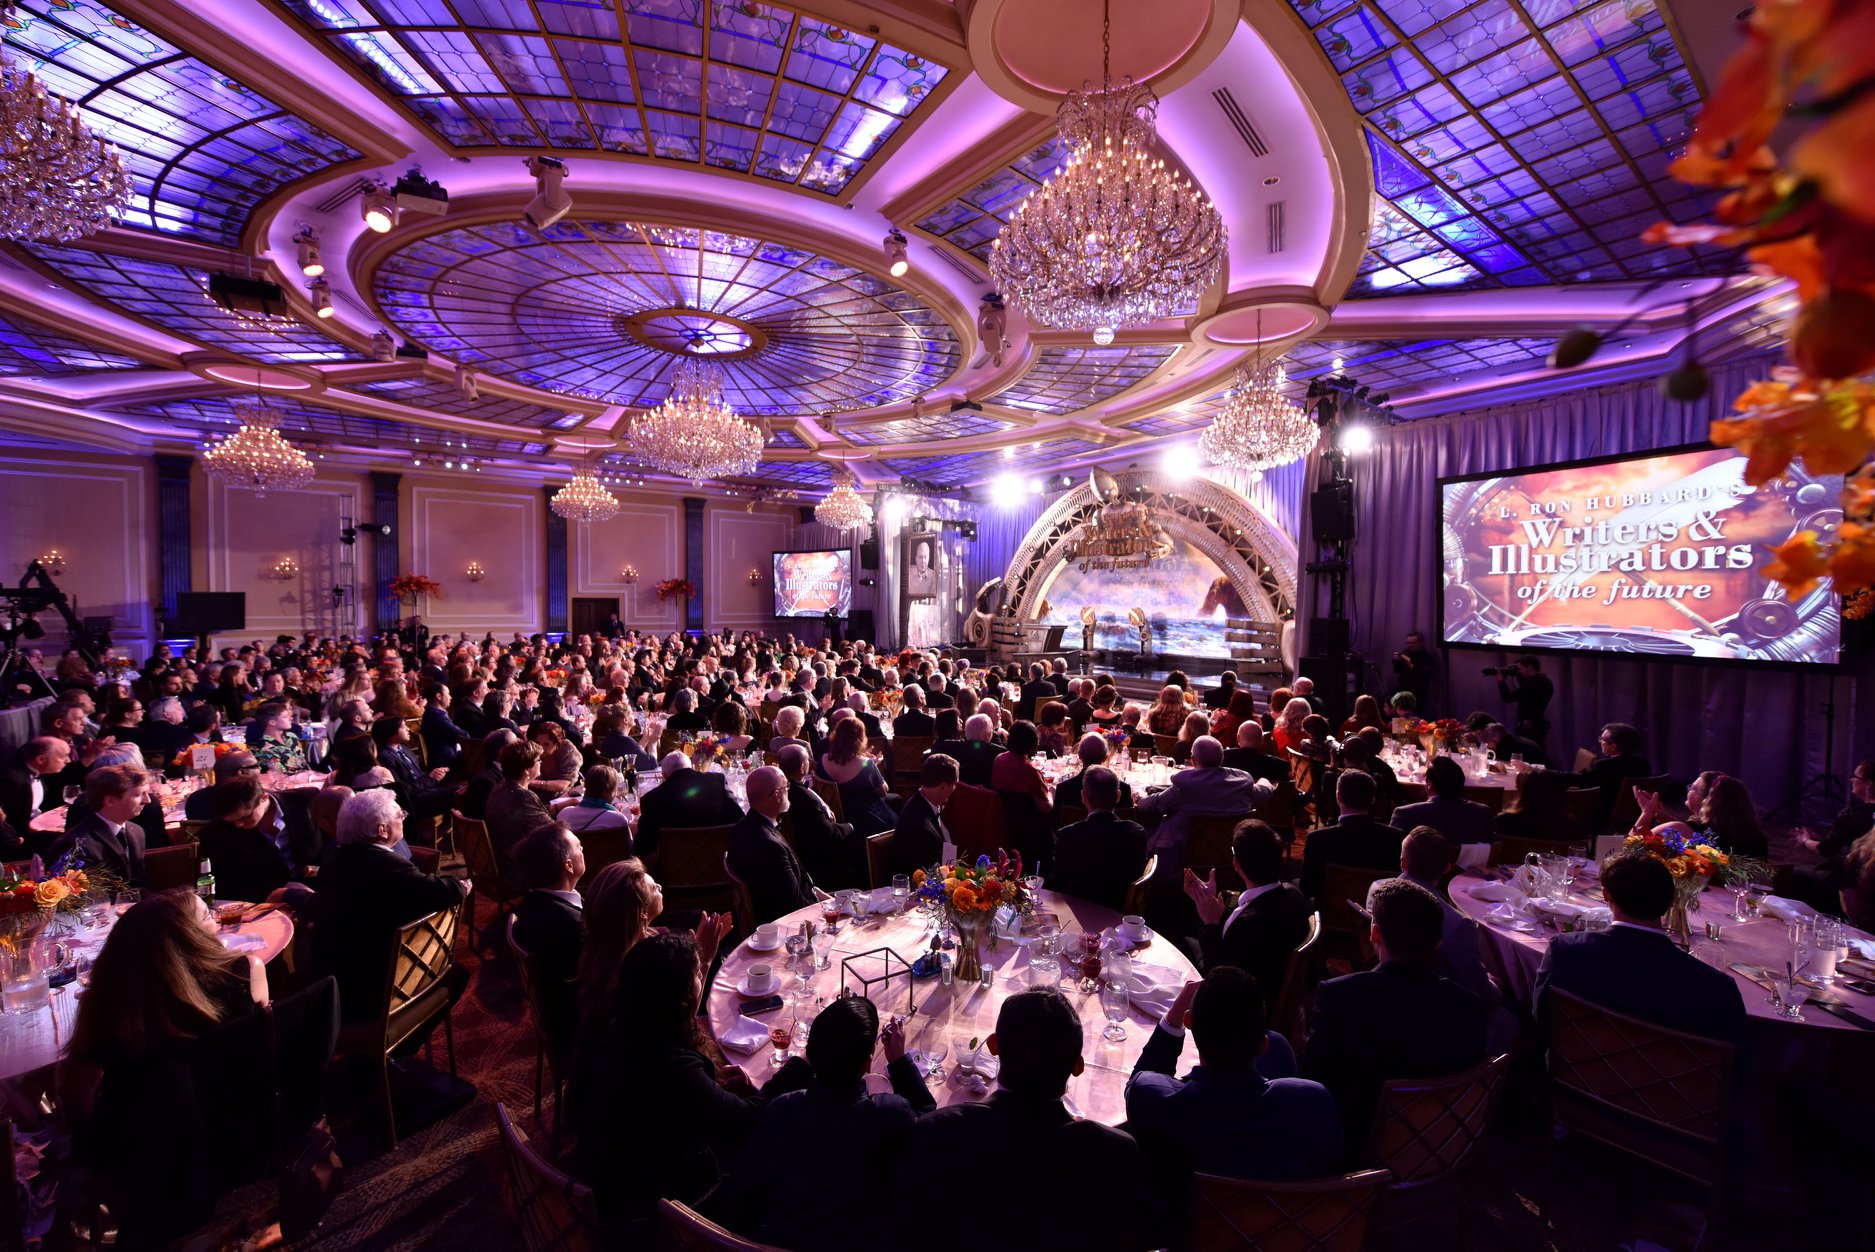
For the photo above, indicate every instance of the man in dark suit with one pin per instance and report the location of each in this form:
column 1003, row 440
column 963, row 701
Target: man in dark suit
column 1619, row 765
column 1080, row 704
column 249, row 856
column 162, row 733
column 1250, row 757
column 1397, row 1020
column 1059, row 680
column 107, row 837
column 684, row 797
column 912, row 721
column 762, row 859
column 1098, row 859
column 1038, row 1041
column 936, row 697
column 474, row 799
column 826, row 846
column 1035, row 693
column 918, row 842
column 442, row 738
column 1219, row 696
column 1092, row 750
column 1506, row 745
column 513, row 807
column 29, row 785
column 1271, row 916
column 1355, row 840
column 550, row 926
column 1634, row 968
column 975, row 753
column 1206, row 788
column 1448, row 811
column 366, row 893
column 422, row 794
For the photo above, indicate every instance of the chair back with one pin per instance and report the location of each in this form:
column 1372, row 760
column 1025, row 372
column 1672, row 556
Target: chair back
column 478, row 851
column 1340, row 885
column 604, row 846
column 1278, row 809
column 975, row 818
column 1321, row 1215
column 1162, row 745
column 556, row 1213
column 690, row 1231
column 422, row 955
column 830, row 792
column 1584, row 759
column 1425, row 1129
column 1510, row 850
column 908, row 753
column 536, row 1007
column 1583, row 806
column 879, row 859
column 1628, row 806
column 1491, row 797
column 1298, row 981
column 1207, row 846
column 743, row 908
column 1136, row 894
column 1658, row 1093
column 176, row 866
column 692, row 856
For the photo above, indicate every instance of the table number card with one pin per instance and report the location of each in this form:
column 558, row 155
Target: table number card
column 202, row 757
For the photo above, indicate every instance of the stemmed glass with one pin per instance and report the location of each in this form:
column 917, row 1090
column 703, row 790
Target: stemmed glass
column 72, row 793
column 1115, row 1002
column 930, row 1058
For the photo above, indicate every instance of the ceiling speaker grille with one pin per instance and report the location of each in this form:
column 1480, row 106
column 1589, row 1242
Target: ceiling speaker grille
column 1240, row 122
column 959, row 264
column 1276, row 226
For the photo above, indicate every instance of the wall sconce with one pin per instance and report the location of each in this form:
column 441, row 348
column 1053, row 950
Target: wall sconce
column 475, row 572
column 286, row 569
column 755, row 577
column 53, row 560
column 628, row 575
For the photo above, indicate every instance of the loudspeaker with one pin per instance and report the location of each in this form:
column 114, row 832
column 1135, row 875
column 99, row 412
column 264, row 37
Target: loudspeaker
column 1331, row 509
column 859, row 624
column 1328, row 636
column 869, row 554
column 807, row 514
column 205, row 612
column 1331, row 683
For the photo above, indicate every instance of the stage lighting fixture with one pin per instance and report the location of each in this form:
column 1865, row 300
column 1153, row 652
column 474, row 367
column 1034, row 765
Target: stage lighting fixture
column 465, row 383
column 550, row 202
column 1181, row 461
column 420, row 195
column 896, row 258
column 894, row 509
column 1005, row 490
column 321, row 297
column 1356, row 438
column 1037, row 486
column 378, row 207
column 307, row 242
column 383, row 347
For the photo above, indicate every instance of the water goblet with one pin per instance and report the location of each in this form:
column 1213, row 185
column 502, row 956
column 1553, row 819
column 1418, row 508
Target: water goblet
column 929, row 1058
column 901, row 891
column 1115, row 1002
column 71, row 794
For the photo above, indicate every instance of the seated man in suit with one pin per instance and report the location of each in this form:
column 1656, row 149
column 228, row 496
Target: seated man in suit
column 1207, row 787
column 1355, row 840
column 1448, row 811
column 246, row 842
column 762, row 859
column 423, row 794
column 1035, row 693
column 473, row 802
column 1250, row 757
column 29, row 785
column 107, row 837
column 913, row 721
column 550, row 926
column 1270, row 919
column 918, row 840
column 935, row 697
column 1098, row 859
column 200, row 805
column 1634, row 968
column 1619, row 765
column 1425, row 856
column 976, row 752
column 1397, row 1020
column 1495, row 736
column 162, row 733
column 513, row 807
column 1219, row 696
column 1092, row 750
column 826, row 846
column 1038, row 1038
column 442, row 737
column 684, row 797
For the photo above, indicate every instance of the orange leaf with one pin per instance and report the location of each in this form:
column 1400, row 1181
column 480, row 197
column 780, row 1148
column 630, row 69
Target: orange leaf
column 1799, row 563
column 1836, row 155
column 1852, row 564
column 1767, row 452
column 1799, row 259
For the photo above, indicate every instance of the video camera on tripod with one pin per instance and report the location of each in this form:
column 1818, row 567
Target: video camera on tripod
column 20, row 607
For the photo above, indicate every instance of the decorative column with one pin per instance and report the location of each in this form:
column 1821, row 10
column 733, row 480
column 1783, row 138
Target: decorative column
column 384, row 566
column 556, row 565
column 172, row 531
column 694, row 540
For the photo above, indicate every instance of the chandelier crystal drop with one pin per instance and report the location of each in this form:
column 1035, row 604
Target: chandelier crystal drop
column 843, row 509
column 1114, row 239
column 58, row 180
column 694, row 434
column 1259, row 427
column 256, row 456
column 584, row 499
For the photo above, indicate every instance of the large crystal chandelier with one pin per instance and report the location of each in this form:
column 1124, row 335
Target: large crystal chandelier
column 584, row 499
column 1114, row 238
column 843, row 509
column 1259, row 427
column 694, row 434
column 256, row 456
column 58, row 180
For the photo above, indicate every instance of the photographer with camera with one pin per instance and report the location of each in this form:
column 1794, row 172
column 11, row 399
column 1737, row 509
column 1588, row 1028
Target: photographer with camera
column 1413, row 666
column 1530, row 689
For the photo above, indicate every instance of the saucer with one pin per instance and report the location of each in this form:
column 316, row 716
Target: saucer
column 743, row 988
column 756, row 947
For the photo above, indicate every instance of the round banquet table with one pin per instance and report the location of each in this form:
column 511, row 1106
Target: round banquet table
column 175, row 798
column 31, row 1040
column 944, row 1013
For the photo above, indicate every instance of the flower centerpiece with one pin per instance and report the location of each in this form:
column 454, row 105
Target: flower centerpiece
column 1693, row 863
column 33, row 888
column 1118, row 738
column 408, row 588
column 708, row 750
column 181, row 759
column 1438, row 736
column 970, row 893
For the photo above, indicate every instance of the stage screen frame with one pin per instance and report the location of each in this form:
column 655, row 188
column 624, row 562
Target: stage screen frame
column 774, row 588
column 1510, row 650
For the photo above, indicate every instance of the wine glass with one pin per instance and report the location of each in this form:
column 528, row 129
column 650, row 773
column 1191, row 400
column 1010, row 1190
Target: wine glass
column 72, row 793
column 930, row 1058
column 1115, row 1002
column 781, row 1034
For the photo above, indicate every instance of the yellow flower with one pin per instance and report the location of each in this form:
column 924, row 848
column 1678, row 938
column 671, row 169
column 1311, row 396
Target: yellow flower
column 50, row 892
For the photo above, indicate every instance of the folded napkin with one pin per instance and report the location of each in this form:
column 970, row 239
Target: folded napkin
column 1473, row 855
column 1556, row 908
column 745, row 1035
column 1494, row 892
column 1863, row 948
column 1153, row 989
column 1525, row 880
column 1785, row 910
column 881, row 901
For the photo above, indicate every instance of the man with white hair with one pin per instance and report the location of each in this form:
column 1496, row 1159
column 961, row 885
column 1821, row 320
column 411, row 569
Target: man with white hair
column 684, row 798
column 935, row 695
column 1092, row 750
column 366, row 893
column 162, row 733
column 758, row 855
column 975, row 753
column 1208, row 787
column 912, row 720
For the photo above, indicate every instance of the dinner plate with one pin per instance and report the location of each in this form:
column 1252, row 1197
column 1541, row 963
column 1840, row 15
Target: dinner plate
column 742, row 988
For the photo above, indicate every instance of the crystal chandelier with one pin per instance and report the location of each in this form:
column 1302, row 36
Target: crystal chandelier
column 256, row 456
column 1259, row 427
column 584, row 499
column 58, row 180
column 1114, row 238
column 843, row 509
column 694, row 434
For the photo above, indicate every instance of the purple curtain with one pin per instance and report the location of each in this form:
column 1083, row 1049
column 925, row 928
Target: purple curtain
column 1765, row 726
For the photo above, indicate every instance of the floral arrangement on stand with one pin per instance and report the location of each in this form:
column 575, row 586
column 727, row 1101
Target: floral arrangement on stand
column 970, row 893
column 1693, row 863
column 181, row 759
column 1810, row 219
column 676, row 587
column 1118, row 738
column 409, row 587
column 708, row 750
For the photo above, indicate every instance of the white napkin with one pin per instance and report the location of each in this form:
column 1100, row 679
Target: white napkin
column 1494, row 892
column 1153, row 989
column 745, row 1035
column 1863, row 948
column 1555, row 908
column 1473, row 855
column 1785, row 910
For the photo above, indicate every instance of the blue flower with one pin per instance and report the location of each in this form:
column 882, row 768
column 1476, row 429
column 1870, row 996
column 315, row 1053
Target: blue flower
column 983, row 862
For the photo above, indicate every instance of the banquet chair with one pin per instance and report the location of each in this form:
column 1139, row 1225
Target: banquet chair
column 1162, row 745
column 415, row 995
column 1067, row 814
column 1584, row 759
column 908, row 755
column 1343, row 887
column 975, row 819
column 478, row 851
column 689, row 1230
column 1510, row 850
column 1136, row 894
column 1425, row 1133
column 604, row 847
column 830, row 792
column 1319, row 1215
column 174, row 866
column 879, row 859
column 1208, row 846
column 1491, row 797
column 1287, row 1011
column 556, row 1213
column 1278, row 810
column 548, row 1053
column 1658, row 1094
column 742, row 901
column 1582, row 806
column 692, row 856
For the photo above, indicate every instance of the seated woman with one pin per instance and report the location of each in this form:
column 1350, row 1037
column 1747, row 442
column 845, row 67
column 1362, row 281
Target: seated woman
column 1168, row 711
column 790, row 721
column 559, row 759
column 1106, row 711
column 731, row 721
column 278, row 749
column 1241, row 708
column 355, row 764
column 553, row 708
column 1366, row 713
column 863, row 788
column 1289, row 733
column 1054, row 728
column 141, row 1114
column 1279, row 700
column 597, row 809
column 391, row 700
column 1014, row 774
column 1725, row 817
column 1197, row 725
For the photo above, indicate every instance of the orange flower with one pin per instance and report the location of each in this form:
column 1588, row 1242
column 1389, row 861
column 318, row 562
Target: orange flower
column 1800, row 562
column 964, row 899
column 1852, row 564
column 50, row 892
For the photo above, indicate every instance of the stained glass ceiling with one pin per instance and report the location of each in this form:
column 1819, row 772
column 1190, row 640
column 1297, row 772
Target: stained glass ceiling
column 442, row 397
column 1520, row 142
column 973, row 467
column 930, row 428
column 745, row 86
column 31, row 348
column 1065, row 378
column 796, row 333
column 319, row 423
column 972, row 220
column 201, row 148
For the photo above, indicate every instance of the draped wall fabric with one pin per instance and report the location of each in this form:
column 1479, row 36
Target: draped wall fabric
column 1765, row 726
column 1277, row 495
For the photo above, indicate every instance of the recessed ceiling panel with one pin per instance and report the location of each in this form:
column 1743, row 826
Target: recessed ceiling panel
column 1065, row 379
column 422, row 392
column 29, row 348
column 304, row 421
column 976, row 467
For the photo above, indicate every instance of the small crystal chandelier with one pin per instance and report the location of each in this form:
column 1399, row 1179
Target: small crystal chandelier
column 256, row 456
column 694, row 434
column 58, row 180
column 843, row 509
column 1259, row 427
column 1114, row 238
column 584, row 499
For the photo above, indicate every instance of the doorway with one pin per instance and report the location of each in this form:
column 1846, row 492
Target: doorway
column 590, row 614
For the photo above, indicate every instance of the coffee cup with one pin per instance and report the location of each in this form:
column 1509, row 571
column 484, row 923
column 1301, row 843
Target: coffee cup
column 1133, row 926
column 767, row 935
column 761, row 979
